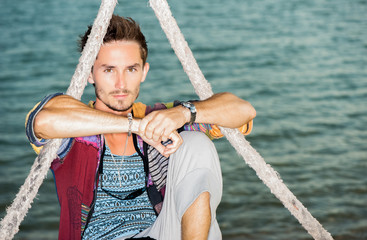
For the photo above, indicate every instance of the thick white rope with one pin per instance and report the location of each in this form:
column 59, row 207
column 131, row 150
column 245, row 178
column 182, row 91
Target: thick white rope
column 264, row 171
column 16, row 212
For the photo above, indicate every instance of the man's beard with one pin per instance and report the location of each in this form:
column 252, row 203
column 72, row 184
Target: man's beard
column 118, row 109
column 119, row 106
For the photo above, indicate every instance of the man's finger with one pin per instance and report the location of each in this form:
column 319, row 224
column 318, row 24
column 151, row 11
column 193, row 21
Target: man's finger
column 157, row 133
column 176, row 143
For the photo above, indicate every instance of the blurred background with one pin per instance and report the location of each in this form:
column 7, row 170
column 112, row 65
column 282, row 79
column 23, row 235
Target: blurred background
column 302, row 64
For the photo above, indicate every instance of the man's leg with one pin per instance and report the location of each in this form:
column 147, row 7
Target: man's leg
column 193, row 191
column 195, row 223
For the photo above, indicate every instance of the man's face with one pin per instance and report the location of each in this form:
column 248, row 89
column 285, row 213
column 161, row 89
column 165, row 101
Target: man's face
column 117, row 74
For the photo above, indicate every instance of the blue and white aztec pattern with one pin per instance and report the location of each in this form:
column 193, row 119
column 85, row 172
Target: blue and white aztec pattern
column 113, row 217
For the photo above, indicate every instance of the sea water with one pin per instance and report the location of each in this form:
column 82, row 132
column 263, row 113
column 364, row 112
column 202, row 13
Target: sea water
column 301, row 64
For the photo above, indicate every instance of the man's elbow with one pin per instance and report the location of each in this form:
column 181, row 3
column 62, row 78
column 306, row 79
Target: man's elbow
column 245, row 107
column 248, row 111
column 42, row 126
column 252, row 113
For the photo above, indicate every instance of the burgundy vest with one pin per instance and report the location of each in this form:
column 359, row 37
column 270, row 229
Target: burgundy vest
column 75, row 191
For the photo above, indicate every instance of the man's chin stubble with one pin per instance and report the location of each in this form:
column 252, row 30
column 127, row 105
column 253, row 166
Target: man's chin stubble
column 119, row 109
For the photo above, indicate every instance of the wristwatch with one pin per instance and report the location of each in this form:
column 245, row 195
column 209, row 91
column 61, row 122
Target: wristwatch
column 191, row 107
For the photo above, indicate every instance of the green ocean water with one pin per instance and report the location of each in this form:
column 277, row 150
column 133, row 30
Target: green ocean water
column 302, row 64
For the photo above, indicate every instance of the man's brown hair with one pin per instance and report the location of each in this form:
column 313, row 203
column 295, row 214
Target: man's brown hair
column 120, row 28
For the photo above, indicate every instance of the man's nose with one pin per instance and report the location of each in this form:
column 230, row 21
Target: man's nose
column 120, row 82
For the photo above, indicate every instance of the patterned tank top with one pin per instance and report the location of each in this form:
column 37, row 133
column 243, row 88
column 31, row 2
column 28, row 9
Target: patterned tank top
column 120, row 210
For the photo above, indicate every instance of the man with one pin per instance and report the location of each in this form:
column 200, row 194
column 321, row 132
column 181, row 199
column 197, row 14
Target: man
column 123, row 170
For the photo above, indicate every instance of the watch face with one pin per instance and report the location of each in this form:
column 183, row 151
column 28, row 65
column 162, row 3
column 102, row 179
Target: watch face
column 190, row 106
column 186, row 104
column 192, row 109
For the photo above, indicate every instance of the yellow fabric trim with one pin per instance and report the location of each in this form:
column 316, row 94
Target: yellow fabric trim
column 245, row 130
column 139, row 110
column 36, row 149
column 169, row 105
column 29, row 113
column 91, row 104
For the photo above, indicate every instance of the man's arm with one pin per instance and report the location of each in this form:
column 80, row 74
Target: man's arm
column 223, row 109
column 65, row 117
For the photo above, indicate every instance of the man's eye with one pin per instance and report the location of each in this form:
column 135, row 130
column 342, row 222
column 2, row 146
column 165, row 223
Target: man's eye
column 108, row 70
column 131, row 69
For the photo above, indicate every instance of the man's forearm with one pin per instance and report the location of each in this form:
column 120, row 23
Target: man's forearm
column 64, row 117
column 224, row 109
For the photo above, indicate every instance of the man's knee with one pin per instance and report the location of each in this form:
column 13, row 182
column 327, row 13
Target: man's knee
column 196, row 152
column 196, row 139
column 198, row 144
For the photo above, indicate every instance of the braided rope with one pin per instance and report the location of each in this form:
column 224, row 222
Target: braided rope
column 16, row 212
column 264, row 171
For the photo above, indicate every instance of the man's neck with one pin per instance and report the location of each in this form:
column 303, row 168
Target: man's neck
column 116, row 142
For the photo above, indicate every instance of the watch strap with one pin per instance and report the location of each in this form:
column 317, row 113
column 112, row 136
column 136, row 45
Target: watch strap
column 191, row 107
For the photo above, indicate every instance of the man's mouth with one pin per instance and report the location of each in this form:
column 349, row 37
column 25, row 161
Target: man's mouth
column 120, row 96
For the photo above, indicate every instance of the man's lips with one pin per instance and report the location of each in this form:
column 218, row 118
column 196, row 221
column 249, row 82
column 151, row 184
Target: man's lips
column 120, row 95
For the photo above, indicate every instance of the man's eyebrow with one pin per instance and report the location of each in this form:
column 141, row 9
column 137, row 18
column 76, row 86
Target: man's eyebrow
column 107, row 66
column 136, row 65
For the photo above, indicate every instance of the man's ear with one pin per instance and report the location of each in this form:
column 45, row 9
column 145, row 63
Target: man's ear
column 145, row 71
column 90, row 78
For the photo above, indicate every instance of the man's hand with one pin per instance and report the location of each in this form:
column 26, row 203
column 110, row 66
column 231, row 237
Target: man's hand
column 160, row 124
column 167, row 149
column 170, row 148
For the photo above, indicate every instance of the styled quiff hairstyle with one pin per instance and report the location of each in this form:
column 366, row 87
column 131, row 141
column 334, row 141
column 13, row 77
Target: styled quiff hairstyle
column 120, row 28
